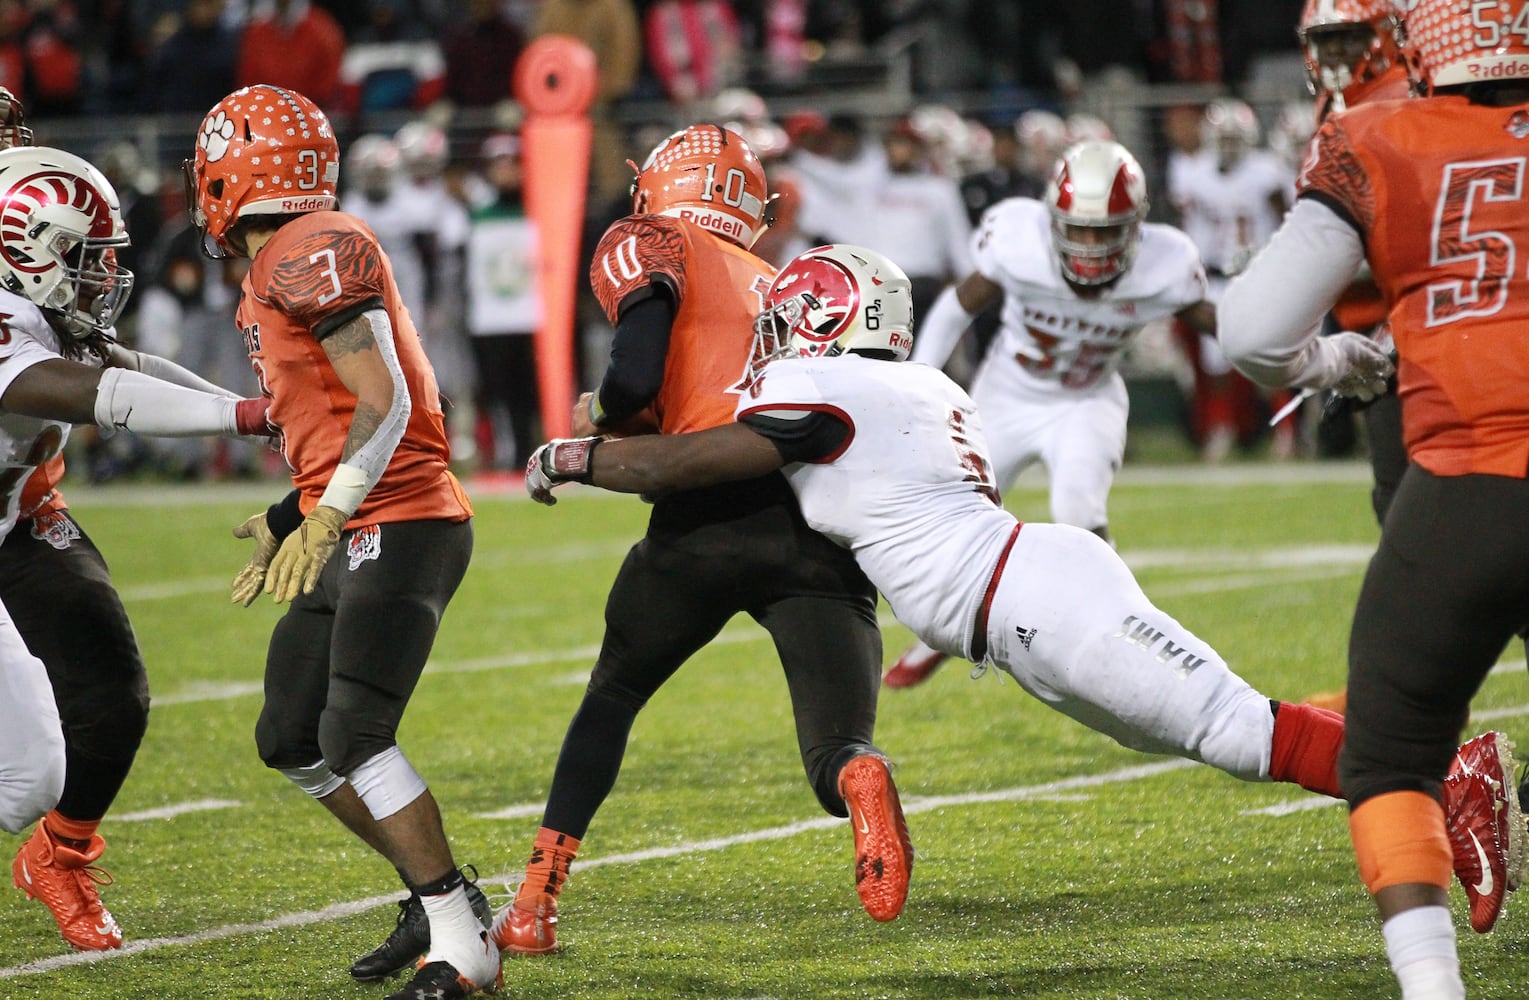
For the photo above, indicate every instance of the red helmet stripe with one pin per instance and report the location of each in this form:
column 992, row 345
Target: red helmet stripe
column 1120, row 192
column 1064, row 190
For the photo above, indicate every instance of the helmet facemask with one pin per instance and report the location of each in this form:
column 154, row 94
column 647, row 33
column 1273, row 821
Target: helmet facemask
column 95, row 288
column 1095, row 253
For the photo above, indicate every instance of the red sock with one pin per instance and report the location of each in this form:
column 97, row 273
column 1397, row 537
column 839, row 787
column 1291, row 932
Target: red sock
column 547, row 870
column 1305, row 748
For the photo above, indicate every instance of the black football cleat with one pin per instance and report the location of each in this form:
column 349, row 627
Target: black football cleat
column 411, row 937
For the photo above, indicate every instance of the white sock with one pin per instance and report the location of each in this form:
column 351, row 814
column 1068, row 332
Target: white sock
column 1421, row 945
column 457, row 937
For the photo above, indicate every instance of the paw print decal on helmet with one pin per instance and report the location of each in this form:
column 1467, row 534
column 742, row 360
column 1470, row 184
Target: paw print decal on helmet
column 216, row 131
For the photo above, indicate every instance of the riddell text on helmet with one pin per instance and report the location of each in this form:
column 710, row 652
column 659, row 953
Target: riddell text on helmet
column 715, row 221
column 309, row 203
column 1498, row 71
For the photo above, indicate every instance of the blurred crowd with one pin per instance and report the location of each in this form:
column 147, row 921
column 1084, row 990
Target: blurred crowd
column 89, row 56
column 999, row 89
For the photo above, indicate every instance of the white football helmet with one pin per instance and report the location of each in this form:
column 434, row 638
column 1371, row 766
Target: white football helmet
column 1042, row 136
column 833, row 299
column 1229, row 128
column 1083, row 127
column 60, row 228
column 423, row 149
column 372, row 165
column 1098, row 199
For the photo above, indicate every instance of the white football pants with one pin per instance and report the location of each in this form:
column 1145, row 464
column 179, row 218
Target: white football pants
column 1071, row 624
column 1080, row 436
column 31, row 738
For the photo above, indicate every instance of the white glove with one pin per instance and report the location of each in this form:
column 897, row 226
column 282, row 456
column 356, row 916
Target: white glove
column 1350, row 364
column 560, row 460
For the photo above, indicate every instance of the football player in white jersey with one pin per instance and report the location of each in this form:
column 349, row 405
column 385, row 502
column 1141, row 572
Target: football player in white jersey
column 73, row 691
column 1079, row 274
column 889, row 460
column 1230, row 197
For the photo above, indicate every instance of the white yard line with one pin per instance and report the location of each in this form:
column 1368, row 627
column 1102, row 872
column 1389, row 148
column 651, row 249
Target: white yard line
column 339, row 911
column 172, row 811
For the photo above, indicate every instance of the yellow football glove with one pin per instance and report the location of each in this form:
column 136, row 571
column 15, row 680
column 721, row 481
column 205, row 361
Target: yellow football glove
column 250, row 579
column 303, row 553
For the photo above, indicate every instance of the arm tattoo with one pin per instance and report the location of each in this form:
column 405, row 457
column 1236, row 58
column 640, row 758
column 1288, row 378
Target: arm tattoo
column 351, row 337
column 363, row 426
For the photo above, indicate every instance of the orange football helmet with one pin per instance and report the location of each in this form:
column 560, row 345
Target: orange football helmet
column 1347, row 44
column 261, row 150
column 1447, row 43
column 708, row 175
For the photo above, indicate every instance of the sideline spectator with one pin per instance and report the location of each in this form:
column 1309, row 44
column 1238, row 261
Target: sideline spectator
column 55, row 82
column 610, row 29
column 185, row 316
column 693, row 46
column 193, row 68
column 504, row 310
column 295, row 45
column 485, row 37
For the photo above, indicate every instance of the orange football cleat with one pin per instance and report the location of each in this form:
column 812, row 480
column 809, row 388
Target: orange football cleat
column 65, row 881
column 527, row 926
column 883, row 849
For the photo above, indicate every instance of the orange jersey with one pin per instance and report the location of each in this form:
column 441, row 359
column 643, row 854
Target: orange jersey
column 719, row 288
column 1435, row 188
column 317, row 272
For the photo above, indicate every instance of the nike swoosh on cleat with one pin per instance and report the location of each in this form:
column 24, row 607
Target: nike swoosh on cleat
column 24, row 872
column 105, row 928
column 1487, row 884
column 865, row 824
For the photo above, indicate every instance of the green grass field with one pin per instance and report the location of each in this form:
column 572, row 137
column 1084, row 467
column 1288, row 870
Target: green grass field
column 1051, row 862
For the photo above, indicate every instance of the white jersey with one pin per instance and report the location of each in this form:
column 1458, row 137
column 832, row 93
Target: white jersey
column 911, row 494
column 25, row 442
column 1229, row 215
column 1056, row 339
column 400, row 221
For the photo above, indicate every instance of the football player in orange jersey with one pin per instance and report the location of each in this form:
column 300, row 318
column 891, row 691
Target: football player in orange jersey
column 679, row 282
column 1352, row 58
column 1431, row 190
column 359, row 416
